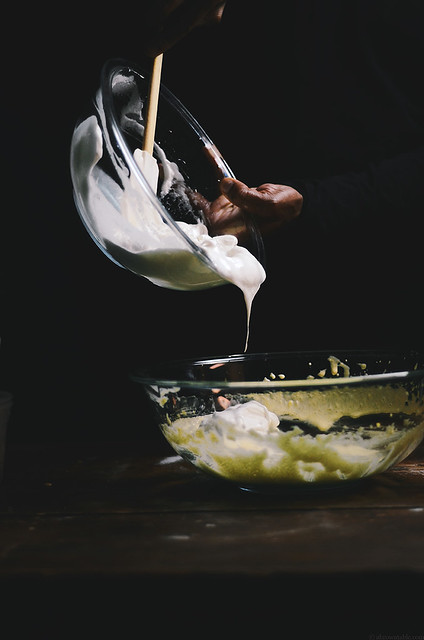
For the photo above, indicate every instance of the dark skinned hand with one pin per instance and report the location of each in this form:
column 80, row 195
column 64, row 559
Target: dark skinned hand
column 272, row 207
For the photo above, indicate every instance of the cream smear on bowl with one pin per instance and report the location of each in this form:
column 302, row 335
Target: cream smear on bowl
column 127, row 224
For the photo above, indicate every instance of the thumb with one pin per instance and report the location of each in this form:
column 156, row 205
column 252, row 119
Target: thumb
column 241, row 195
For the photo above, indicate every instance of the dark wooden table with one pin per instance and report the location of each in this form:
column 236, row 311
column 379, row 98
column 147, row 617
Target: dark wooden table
column 126, row 532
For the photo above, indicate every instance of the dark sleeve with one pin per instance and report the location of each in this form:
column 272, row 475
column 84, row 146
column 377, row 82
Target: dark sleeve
column 387, row 194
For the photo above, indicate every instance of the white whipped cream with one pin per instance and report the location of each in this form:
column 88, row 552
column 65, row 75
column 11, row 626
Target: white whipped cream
column 250, row 416
column 128, row 225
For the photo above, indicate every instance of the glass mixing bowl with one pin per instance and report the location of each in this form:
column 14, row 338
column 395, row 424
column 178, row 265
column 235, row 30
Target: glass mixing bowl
column 268, row 421
column 113, row 195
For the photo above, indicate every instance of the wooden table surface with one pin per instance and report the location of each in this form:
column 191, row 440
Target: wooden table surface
column 130, row 525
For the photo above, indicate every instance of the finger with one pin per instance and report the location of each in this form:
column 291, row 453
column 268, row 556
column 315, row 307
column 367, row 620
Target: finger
column 215, row 15
column 242, row 196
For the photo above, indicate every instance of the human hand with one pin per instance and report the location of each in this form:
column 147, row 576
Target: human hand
column 272, row 206
column 168, row 21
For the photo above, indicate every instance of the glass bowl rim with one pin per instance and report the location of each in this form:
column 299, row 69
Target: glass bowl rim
column 145, row 377
column 110, row 69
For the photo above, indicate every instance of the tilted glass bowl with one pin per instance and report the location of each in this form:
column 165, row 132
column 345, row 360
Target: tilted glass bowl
column 107, row 181
column 271, row 420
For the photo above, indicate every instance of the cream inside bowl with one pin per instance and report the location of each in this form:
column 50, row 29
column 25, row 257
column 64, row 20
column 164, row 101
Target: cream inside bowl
column 270, row 421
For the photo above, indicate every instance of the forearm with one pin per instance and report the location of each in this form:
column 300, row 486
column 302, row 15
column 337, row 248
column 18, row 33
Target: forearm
column 390, row 192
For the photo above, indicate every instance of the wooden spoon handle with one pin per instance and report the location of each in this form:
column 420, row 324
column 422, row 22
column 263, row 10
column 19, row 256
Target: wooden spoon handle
column 152, row 105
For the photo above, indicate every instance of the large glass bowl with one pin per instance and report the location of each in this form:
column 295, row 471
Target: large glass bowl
column 270, row 421
column 105, row 175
